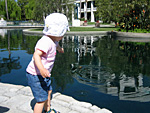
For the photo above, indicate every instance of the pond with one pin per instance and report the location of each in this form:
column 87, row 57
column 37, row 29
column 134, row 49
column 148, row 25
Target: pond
column 101, row 70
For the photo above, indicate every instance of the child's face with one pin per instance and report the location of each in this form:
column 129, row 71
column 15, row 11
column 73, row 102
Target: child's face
column 56, row 38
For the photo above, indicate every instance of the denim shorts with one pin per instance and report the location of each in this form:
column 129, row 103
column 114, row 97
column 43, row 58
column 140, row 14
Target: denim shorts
column 39, row 86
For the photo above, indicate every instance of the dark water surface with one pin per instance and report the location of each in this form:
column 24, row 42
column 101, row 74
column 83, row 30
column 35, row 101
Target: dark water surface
column 101, row 70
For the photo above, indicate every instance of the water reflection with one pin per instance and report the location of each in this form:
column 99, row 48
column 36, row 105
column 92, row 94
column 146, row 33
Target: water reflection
column 3, row 32
column 7, row 62
column 114, row 67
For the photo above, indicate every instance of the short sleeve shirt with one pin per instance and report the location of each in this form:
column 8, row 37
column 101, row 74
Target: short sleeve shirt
column 48, row 46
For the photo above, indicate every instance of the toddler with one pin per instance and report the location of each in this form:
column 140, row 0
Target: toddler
column 40, row 67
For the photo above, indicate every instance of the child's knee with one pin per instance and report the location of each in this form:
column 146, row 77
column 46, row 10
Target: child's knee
column 50, row 91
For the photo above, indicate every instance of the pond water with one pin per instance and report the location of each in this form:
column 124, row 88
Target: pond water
column 101, row 70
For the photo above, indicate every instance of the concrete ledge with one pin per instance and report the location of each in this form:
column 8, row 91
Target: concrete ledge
column 20, row 27
column 29, row 32
column 131, row 37
column 124, row 36
column 19, row 99
column 130, row 34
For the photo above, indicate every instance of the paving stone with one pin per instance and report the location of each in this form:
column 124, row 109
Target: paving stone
column 25, row 91
column 26, row 106
column 95, row 108
column 10, row 86
column 3, row 99
column 65, row 98
column 9, row 94
column 55, row 94
column 83, row 104
column 63, row 103
column 60, row 108
column 104, row 111
column 3, row 90
column 19, row 99
column 8, row 109
column 11, row 90
column 73, row 112
column 17, row 111
column 80, row 109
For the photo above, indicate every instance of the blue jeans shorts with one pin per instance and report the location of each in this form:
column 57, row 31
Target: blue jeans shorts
column 39, row 86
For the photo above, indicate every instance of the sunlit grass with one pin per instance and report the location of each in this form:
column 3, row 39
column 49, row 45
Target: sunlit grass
column 92, row 29
column 78, row 29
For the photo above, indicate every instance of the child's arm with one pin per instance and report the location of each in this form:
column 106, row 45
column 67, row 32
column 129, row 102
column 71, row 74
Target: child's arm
column 37, row 59
column 60, row 50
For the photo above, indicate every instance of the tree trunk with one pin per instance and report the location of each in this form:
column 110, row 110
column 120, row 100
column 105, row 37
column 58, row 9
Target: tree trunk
column 6, row 9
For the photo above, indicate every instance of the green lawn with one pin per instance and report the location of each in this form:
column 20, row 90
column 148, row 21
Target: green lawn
column 78, row 29
column 92, row 29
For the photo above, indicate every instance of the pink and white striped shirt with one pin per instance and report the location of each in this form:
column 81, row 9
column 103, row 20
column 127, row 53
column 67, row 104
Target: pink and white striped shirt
column 48, row 46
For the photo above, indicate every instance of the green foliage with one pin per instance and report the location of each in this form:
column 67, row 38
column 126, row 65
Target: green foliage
column 45, row 7
column 14, row 11
column 34, row 9
column 2, row 9
column 137, row 18
column 131, row 14
column 111, row 10
column 29, row 12
column 22, row 4
column 135, row 30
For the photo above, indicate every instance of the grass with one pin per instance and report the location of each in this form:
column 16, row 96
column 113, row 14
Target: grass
column 80, row 29
column 137, row 31
column 92, row 29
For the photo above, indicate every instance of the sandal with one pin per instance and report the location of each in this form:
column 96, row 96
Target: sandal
column 51, row 111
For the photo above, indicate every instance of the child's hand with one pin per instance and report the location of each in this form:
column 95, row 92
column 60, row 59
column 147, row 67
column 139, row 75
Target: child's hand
column 45, row 73
column 61, row 50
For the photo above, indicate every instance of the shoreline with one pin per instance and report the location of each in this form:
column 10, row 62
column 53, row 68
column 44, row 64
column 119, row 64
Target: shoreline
column 27, row 31
column 19, row 99
column 121, row 36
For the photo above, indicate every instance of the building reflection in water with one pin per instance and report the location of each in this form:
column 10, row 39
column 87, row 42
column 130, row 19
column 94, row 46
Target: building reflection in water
column 94, row 74
column 3, row 32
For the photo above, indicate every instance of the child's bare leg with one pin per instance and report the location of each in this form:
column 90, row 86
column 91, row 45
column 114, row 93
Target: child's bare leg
column 38, row 108
column 47, row 105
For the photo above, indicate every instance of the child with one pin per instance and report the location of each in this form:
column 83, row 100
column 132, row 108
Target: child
column 39, row 69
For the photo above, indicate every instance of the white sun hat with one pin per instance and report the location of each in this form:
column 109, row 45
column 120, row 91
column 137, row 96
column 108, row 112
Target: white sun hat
column 56, row 24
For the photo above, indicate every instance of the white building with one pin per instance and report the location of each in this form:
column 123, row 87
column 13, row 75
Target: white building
column 87, row 10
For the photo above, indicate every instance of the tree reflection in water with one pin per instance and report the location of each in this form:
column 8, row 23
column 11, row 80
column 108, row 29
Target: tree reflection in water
column 8, row 63
column 121, row 68
column 114, row 67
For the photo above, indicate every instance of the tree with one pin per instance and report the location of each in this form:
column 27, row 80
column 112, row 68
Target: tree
column 111, row 10
column 2, row 9
column 29, row 9
column 9, row 9
column 122, row 11
column 14, row 10
column 22, row 4
column 138, row 17
column 45, row 7
column 6, row 9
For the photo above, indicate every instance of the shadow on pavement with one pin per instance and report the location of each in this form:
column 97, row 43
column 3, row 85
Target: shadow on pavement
column 32, row 104
column 3, row 109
